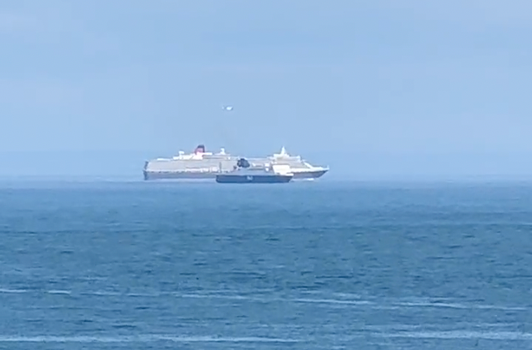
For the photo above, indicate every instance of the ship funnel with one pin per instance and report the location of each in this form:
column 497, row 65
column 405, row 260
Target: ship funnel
column 200, row 149
column 242, row 163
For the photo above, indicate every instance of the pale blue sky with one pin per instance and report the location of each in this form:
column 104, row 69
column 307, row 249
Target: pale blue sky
column 411, row 87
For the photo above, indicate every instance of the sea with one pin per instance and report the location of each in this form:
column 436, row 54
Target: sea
column 303, row 266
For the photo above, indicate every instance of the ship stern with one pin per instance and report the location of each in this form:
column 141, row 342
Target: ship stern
column 145, row 171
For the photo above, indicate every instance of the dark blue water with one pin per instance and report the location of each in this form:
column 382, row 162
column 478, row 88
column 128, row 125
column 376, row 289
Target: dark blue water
column 297, row 266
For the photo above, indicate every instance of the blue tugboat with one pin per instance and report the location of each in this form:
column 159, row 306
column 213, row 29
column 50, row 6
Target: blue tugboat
column 244, row 173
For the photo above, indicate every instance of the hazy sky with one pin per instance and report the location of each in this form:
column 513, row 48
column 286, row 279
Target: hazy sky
column 394, row 87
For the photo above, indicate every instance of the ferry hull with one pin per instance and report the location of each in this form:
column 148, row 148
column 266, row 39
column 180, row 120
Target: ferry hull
column 252, row 179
